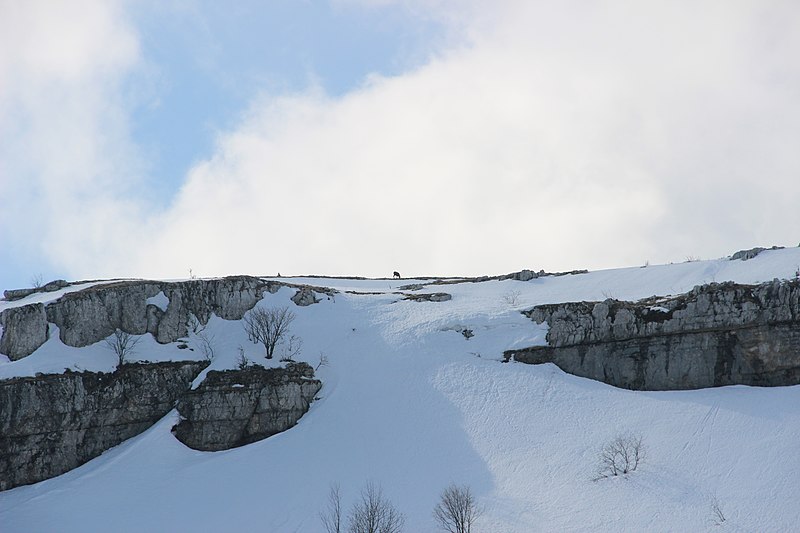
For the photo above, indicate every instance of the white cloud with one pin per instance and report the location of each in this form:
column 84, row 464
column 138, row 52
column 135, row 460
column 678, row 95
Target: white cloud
column 557, row 136
column 563, row 137
column 68, row 160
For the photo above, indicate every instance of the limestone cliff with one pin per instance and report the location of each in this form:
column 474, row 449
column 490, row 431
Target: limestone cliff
column 90, row 315
column 237, row 407
column 24, row 330
column 50, row 424
column 717, row 334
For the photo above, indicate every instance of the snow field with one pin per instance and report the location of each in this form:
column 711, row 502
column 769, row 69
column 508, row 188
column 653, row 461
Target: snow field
column 410, row 403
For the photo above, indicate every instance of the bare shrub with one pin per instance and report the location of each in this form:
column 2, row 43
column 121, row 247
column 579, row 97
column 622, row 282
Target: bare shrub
column 512, row 297
column 620, row 456
column 457, row 510
column 242, row 362
column 323, row 361
column 374, row 513
column 36, row 281
column 292, row 348
column 269, row 327
column 203, row 339
column 332, row 515
column 122, row 344
column 205, row 342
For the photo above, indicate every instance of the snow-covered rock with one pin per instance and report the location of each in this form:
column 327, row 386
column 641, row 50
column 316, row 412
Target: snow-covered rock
column 717, row 334
column 237, row 407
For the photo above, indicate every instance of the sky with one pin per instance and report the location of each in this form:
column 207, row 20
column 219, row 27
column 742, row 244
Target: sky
column 359, row 137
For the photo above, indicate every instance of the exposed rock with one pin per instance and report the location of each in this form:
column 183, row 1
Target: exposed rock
column 24, row 330
column 55, row 285
column 304, row 297
column 429, row 297
column 744, row 255
column 524, row 275
column 717, row 334
column 228, row 298
column 90, row 315
column 17, row 294
column 237, row 407
column 50, row 424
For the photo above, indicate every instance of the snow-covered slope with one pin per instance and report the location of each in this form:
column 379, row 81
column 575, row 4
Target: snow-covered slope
column 411, row 404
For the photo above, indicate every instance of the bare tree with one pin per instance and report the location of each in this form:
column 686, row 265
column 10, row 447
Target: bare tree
column 457, row 510
column 332, row 515
column 511, row 297
column 621, row 456
column 374, row 513
column 122, row 344
column 37, row 281
column 269, row 327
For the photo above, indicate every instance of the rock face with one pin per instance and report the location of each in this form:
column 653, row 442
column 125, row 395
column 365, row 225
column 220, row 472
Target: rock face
column 90, row 315
column 717, row 334
column 50, row 424
column 24, row 330
column 304, row 297
column 237, row 407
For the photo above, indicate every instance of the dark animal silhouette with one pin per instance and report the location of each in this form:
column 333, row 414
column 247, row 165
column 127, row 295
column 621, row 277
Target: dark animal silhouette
column 396, row 274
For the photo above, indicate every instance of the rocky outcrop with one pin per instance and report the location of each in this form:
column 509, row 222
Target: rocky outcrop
column 745, row 255
column 717, row 334
column 429, row 297
column 237, row 407
column 90, row 315
column 24, row 330
column 304, row 297
column 17, row 294
column 524, row 275
column 50, row 424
